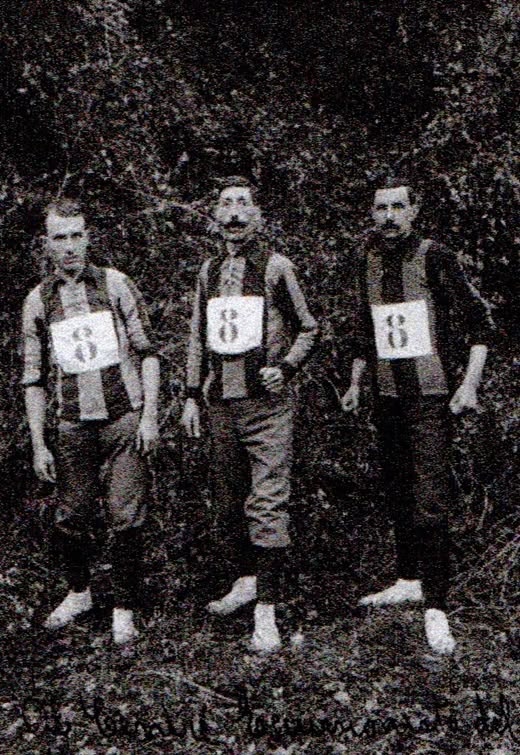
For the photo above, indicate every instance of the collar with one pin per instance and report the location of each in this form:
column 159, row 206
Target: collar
column 89, row 274
column 395, row 249
column 254, row 249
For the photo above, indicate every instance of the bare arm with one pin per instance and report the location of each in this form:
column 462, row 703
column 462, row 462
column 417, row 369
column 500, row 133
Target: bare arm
column 148, row 432
column 150, row 371
column 196, row 367
column 465, row 397
column 358, row 369
column 350, row 401
column 36, row 405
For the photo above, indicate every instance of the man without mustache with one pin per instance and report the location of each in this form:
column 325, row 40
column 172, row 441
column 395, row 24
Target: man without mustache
column 251, row 331
column 88, row 344
column 411, row 289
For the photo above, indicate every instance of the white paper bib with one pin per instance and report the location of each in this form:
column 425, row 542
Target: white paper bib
column 235, row 324
column 85, row 342
column 402, row 330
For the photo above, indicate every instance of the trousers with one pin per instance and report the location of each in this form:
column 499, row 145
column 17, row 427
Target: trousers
column 415, row 450
column 94, row 459
column 252, row 445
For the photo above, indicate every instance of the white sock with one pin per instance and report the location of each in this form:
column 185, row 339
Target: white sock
column 266, row 637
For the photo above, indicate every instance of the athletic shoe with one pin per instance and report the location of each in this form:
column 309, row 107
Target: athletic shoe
column 404, row 590
column 123, row 629
column 242, row 592
column 73, row 605
column 438, row 632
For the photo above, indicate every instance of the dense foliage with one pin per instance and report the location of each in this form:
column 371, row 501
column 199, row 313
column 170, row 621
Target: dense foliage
column 136, row 106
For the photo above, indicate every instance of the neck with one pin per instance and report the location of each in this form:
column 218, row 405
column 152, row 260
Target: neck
column 395, row 239
column 231, row 248
column 71, row 276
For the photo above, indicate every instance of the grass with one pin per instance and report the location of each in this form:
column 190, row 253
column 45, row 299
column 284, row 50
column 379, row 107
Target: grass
column 362, row 681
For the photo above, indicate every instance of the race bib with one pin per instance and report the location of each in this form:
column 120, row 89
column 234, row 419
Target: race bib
column 402, row 330
column 85, row 342
column 235, row 324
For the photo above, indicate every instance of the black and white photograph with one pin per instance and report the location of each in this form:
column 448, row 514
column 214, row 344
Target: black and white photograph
column 259, row 396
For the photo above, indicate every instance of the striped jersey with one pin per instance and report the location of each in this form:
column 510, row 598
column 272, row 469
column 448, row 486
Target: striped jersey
column 78, row 318
column 290, row 332
column 413, row 269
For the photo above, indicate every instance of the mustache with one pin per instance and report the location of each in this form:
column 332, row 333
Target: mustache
column 236, row 224
column 388, row 224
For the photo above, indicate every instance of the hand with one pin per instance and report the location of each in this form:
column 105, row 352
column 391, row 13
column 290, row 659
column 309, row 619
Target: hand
column 147, row 435
column 350, row 401
column 43, row 464
column 190, row 419
column 272, row 379
column 465, row 397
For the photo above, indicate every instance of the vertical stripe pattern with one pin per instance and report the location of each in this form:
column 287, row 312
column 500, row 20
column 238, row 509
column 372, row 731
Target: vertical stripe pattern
column 428, row 369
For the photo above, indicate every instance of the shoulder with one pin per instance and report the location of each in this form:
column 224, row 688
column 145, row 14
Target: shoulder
column 114, row 276
column 433, row 247
column 279, row 264
column 33, row 302
column 438, row 255
column 117, row 281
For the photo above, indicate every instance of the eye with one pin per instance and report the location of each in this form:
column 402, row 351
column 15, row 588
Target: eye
column 398, row 206
column 59, row 237
column 77, row 235
column 380, row 207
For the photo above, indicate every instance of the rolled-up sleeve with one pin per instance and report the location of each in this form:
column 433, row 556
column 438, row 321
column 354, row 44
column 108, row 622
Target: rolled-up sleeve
column 362, row 340
column 35, row 371
column 462, row 297
column 135, row 315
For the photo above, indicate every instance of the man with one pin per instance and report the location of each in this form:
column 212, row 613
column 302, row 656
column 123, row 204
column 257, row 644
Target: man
column 251, row 330
column 89, row 351
column 411, row 291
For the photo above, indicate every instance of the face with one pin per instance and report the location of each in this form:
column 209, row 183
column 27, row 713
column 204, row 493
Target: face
column 392, row 212
column 67, row 242
column 236, row 213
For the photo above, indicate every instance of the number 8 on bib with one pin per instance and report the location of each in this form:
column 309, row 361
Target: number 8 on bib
column 402, row 330
column 235, row 324
column 85, row 342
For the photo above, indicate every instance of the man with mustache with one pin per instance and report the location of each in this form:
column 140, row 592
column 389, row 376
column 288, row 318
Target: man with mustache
column 251, row 331
column 411, row 291
column 90, row 355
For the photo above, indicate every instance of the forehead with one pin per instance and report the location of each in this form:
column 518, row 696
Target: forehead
column 57, row 224
column 390, row 196
column 236, row 193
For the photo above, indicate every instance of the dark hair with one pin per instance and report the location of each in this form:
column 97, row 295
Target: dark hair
column 394, row 182
column 228, row 181
column 64, row 207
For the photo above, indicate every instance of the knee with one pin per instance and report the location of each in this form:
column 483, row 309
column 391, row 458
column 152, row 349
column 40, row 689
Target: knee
column 125, row 517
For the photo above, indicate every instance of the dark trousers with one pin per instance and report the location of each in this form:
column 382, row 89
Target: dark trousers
column 251, row 467
column 95, row 458
column 415, row 446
